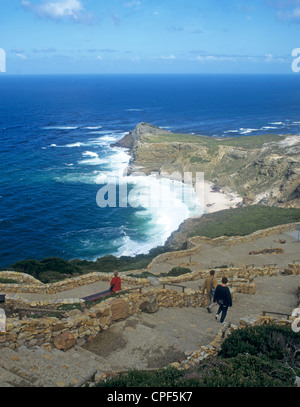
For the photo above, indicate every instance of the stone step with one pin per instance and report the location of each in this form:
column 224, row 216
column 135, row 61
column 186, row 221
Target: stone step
column 55, row 369
column 9, row 379
column 10, row 361
column 78, row 359
column 41, row 368
column 92, row 360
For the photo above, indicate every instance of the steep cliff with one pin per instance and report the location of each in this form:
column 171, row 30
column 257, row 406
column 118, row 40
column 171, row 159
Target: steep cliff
column 262, row 169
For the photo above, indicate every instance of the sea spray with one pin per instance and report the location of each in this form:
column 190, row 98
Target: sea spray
column 161, row 202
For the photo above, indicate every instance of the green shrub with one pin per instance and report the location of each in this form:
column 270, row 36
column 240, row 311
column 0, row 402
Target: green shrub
column 177, row 271
column 168, row 377
column 272, row 341
column 244, row 371
column 36, row 268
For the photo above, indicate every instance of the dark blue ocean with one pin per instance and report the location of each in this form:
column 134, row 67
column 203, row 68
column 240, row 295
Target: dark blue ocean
column 55, row 154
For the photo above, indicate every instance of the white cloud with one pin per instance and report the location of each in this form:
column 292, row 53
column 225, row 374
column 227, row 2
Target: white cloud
column 168, row 57
column 292, row 15
column 21, row 56
column 287, row 10
column 214, row 58
column 60, row 9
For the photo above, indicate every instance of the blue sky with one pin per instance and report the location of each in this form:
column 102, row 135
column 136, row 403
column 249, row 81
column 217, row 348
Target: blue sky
column 149, row 36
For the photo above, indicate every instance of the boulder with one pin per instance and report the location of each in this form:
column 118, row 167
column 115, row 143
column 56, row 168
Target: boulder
column 150, row 306
column 119, row 309
column 64, row 341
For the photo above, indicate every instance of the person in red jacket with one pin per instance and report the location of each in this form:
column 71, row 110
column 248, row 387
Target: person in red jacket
column 115, row 284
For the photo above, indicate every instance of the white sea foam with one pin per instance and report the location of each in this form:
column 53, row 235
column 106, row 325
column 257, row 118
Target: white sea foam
column 90, row 154
column 78, row 144
column 161, row 204
column 247, row 131
column 60, row 127
column 93, row 160
column 231, row 131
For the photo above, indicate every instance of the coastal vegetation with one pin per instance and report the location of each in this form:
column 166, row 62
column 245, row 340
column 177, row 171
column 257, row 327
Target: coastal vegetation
column 235, row 222
column 258, row 356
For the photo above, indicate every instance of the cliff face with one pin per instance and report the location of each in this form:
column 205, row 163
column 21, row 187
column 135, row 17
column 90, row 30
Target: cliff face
column 262, row 169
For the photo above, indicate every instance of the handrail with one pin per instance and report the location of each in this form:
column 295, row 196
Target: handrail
column 129, row 289
column 175, row 285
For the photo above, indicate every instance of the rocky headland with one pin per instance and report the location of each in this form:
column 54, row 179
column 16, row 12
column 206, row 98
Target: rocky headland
column 259, row 170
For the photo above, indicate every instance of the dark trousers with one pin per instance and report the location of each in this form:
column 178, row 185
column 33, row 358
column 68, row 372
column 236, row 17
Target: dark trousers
column 223, row 311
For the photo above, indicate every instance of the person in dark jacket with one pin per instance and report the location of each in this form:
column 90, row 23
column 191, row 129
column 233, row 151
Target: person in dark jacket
column 223, row 297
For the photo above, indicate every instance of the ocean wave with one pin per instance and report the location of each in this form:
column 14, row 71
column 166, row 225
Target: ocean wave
column 93, row 160
column 247, row 131
column 77, row 144
column 59, row 127
column 134, row 110
column 90, row 154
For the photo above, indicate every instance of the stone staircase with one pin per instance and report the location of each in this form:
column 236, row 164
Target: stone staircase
column 37, row 367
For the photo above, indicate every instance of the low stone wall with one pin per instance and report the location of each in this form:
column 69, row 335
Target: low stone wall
column 194, row 243
column 84, row 325
column 31, row 285
column 16, row 301
column 231, row 240
column 21, row 278
column 292, row 268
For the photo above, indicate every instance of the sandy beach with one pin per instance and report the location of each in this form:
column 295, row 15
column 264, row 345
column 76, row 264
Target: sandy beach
column 216, row 200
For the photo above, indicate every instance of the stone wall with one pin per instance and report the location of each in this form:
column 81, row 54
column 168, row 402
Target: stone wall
column 20, row 278
column 225, row 240
column 84, row 325
column 28, row 284
column 292, row 269
column 194, row 243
